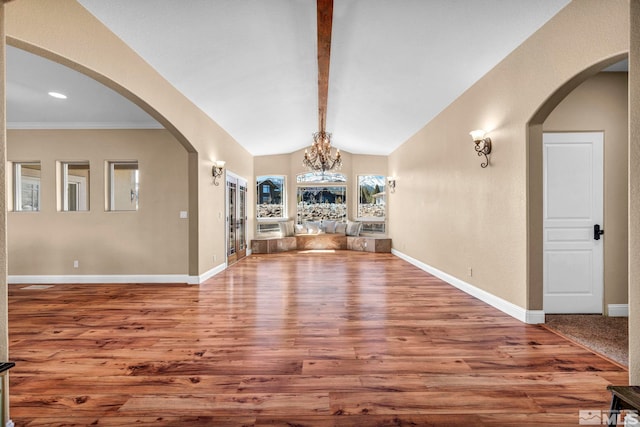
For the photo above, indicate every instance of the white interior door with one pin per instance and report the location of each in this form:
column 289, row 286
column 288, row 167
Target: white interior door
column 573, row 205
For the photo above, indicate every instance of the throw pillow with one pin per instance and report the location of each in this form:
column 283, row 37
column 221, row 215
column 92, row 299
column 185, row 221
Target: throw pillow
column 287, row 228
column 353, row 228
column 329, row 226
column 341, row 228
column 312, row 227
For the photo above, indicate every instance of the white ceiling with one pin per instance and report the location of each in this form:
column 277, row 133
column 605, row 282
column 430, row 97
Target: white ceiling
column 89, row 103
column 251, row 65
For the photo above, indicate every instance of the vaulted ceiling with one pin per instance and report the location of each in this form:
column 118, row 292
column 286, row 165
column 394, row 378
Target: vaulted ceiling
column 251, row 65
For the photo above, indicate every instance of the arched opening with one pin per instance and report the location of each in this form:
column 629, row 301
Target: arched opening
column 186, row 172
column 535, row 257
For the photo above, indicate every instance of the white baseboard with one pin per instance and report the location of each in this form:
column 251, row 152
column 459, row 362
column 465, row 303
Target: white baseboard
column 618, row 310
column 114, row 278
column 208, row 274
column 95, row 279
column 526, row 316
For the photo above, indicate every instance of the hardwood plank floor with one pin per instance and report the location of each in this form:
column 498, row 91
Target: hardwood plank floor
column 303, row 339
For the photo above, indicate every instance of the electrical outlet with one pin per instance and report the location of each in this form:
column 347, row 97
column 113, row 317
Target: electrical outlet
column 470, row 272
column 215, row 258
column 76, row 263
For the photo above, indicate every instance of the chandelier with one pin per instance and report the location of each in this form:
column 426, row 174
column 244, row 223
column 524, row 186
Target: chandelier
column 320, row 158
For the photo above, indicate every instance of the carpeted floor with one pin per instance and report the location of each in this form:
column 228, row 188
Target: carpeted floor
column 605, row 335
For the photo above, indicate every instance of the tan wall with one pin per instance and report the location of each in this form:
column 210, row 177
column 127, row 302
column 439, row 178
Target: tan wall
column 211, row 209
column 4, row 322
column 600, row 104
column 62, row 30
column 290, row 165
column 153, row 240
column 634, row 195
column 453, row 215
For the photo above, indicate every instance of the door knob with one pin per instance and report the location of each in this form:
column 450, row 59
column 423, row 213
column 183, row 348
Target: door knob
column 597, row 232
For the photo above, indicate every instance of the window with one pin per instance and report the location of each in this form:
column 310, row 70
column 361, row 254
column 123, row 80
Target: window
column 75, row 186
column 268, row 227
column 324, row 196
column 320, row 177
column 369, row 227
column 124, row 186
column 371, row 197
column 372, row 203
column 271, row 196
column 322, row 202
column 26, row 195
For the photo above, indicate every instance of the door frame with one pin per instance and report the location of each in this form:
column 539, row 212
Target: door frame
column 239, row 254
column 533, row 134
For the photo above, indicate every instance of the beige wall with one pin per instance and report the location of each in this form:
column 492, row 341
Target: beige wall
column 290, row 165
column 151, row 241
column 634, row 195
column 600, row 104
column 4, row 327
column 448, row 212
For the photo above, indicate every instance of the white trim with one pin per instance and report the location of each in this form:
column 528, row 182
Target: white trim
column 618, row 310
column 115, row 278
column 238, row 177
column 523, row 315
column 84, row 125
column 89, row 278
column 196, row 280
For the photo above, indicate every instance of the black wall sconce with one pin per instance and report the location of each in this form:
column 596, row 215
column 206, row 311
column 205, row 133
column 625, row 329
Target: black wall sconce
column 482, row 145
column 216, row 170
column 391, row 181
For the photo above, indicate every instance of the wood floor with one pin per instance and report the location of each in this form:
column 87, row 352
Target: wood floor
column 297, row 339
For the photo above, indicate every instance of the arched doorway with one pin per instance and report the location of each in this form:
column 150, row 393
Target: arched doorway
column 535, row 179
column 192, row 170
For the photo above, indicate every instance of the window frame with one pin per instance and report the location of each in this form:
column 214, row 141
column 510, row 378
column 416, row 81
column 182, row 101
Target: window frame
column 82, row 185
column 19, row 179
column 110, row 187
column 371, row 221
column 358, row 203
column 260, row 179
column 322, row 180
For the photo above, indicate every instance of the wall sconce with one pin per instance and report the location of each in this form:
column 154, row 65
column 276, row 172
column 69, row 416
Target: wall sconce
column 483, row 145
column 216, row 170
column 392, row 184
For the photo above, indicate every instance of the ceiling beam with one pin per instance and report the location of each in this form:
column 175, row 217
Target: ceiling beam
column 325, row 18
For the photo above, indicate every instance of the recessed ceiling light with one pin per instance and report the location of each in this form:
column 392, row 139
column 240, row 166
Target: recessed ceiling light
column 58, row 95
